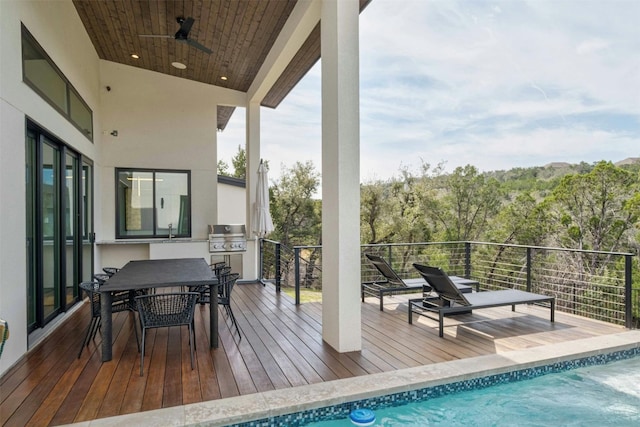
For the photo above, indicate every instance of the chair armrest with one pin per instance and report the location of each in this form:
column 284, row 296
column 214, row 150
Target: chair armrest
column 375, row 282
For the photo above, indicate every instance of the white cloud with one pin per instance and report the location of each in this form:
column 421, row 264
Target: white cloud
column 496, row 84
column 591, row 46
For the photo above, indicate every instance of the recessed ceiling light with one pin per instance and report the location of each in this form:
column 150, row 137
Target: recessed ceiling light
column 179, row 65
column 134, row 56
column 223, row 77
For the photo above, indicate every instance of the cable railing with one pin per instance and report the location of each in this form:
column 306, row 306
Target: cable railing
column 592, row 284
column 270, row 263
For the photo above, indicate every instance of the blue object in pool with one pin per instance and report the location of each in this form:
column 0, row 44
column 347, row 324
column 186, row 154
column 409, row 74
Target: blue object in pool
column 362, row 417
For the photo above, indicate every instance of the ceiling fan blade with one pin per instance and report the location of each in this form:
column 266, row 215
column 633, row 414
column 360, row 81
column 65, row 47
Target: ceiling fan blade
column 156, row 36
column 182, row 35
column 198, row 46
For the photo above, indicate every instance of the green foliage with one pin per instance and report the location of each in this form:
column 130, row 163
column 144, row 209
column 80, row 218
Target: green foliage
column 587, row 207
column 296, row 216
column 239, row 162
column 462, row 204
column 582, row 206
column 374, row 205
column 223, row 168
column 597, row 210
column 523, row 222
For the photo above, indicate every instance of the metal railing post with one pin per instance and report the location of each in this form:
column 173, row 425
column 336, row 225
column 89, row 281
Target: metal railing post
column 628, row 302
column 528, row 269
column 261, row 261
column 278, row 273
column 389, row 254
column 467, row 260
column 296, row 257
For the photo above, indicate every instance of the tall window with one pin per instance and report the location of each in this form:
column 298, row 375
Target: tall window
column 58, row 208
column 153, row 203
column 41, row 74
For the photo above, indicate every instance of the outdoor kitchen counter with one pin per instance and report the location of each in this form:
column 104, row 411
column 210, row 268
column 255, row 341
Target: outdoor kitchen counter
column 117, row 253
column 148, row 241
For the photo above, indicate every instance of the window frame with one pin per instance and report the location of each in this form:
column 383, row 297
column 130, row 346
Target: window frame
column 69, row 89
column 155, row 234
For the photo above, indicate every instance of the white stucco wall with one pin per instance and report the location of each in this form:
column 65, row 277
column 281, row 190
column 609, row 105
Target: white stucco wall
column 60, row 32
column 231, row 206
column 162, row 123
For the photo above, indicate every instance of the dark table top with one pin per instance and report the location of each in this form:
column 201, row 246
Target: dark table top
column 160, row 273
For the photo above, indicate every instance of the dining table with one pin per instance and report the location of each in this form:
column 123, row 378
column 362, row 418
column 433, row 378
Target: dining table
column 153, row 274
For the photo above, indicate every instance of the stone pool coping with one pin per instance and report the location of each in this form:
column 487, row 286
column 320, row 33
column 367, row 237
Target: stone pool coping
column 257, row 406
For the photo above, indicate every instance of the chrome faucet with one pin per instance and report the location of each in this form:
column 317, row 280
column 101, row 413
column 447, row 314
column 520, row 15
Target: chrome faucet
column 170, row 231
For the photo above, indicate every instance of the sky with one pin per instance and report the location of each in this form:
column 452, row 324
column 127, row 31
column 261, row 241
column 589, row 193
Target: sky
column 494, row 84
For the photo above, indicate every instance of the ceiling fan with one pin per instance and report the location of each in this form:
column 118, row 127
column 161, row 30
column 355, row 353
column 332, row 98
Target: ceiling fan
column 182, row 35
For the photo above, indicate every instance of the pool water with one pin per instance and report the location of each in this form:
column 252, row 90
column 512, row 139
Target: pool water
column 602, row 395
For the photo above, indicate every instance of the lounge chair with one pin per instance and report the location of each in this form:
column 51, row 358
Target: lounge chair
column 450, row 300
column 393, row 284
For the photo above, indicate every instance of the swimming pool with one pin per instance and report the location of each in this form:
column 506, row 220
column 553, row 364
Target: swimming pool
column 589, row 396
column 451, row 405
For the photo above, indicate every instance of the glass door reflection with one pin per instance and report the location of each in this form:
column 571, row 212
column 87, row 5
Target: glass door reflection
column 50, row 203
column 70, row 215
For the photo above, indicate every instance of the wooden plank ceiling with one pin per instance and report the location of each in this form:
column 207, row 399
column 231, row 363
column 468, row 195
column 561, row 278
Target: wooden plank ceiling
column 239, row 32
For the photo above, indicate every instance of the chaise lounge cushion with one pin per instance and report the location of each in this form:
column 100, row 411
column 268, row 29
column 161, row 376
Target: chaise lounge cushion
column 394, row 284
column 453, row 301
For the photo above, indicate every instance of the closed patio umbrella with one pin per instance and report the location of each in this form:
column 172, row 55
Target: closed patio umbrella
column 262, row 222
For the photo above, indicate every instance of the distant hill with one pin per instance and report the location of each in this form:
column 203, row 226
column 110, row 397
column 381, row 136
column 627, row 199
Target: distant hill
column 628, row 161
column 541, row 179
column 557, row 165
column 563, row 165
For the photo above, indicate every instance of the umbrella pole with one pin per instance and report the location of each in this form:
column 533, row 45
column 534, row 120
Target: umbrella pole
column 261, row 261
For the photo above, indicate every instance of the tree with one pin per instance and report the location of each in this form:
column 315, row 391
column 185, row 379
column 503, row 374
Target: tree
column 239, row 162
column 223, row 168
column 523, row 221
column 469, row 201
column 373, row 206
column 408, row 221
column 393, row 211
column 296, row 216
column 597, row 210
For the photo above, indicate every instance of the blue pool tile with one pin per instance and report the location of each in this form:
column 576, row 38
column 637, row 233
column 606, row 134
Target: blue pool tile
column 343, row 410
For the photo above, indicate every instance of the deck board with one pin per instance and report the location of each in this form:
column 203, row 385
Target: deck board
column 281, row 347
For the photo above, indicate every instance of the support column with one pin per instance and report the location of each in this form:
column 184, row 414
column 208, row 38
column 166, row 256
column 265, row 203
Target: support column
column 252, row 150
column 214, row 184
column 341, row 325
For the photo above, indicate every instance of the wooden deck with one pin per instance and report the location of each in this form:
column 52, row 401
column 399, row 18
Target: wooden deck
column 281, row 347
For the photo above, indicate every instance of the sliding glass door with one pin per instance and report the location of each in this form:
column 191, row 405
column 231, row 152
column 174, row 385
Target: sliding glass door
column 57, row 221
column 49, row 244
column 71, row 192
column 88, row 236
column 32, row 227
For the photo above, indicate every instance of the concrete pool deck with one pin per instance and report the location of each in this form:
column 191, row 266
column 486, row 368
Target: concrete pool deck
column 279, row 402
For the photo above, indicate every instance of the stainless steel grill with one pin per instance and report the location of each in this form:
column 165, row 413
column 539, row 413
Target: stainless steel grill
column 227, row 238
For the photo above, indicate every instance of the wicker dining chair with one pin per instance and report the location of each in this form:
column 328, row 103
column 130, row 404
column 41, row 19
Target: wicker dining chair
column 204, row 290
column 101, row 277
column 216, row 267
column 110, row 271
column 165, row 310
column 228, row 281
column 122, row 303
